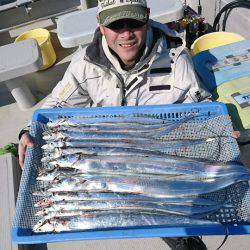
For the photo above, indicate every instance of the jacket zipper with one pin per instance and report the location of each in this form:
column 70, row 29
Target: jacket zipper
column 121, row 83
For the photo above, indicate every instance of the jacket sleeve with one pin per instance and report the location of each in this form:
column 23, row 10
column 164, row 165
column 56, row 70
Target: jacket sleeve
column 71, row 90
column 187, row 79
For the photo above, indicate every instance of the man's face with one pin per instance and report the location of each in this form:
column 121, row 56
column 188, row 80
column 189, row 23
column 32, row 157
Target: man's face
column 126, row 38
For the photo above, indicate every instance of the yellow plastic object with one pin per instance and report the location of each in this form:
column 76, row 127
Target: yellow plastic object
column 42, row 37
column 213, row 40
column 236, row 95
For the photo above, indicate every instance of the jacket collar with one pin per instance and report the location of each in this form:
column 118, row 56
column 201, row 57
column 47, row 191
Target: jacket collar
column 95, row 52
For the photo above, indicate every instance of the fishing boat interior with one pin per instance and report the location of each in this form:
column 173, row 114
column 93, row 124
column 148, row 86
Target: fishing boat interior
column 37, row 41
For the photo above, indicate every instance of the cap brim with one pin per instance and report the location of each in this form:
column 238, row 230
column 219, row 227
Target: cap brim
column 136, row 12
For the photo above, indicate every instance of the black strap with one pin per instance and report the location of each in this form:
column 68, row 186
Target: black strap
column 131, row 83
column 225, row 239
column 161, row 70
column 159, row 87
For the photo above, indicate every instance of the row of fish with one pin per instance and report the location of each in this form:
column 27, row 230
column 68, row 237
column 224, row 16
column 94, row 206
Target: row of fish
column 82, row 220
column 88, row 206
column 109, row 172
column 124, row 132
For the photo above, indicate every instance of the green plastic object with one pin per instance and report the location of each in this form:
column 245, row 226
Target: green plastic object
column 236, row 95
column 9, row 148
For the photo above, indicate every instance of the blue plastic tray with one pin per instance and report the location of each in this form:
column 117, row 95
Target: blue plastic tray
column 172, row 112
column 22, row 235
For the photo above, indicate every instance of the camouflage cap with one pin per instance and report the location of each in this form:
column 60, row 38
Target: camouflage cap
column 112, row 10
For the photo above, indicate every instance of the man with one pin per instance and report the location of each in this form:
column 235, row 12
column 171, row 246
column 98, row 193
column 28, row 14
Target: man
column 131, row 61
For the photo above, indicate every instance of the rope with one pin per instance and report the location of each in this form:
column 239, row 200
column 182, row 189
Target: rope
column 227, row 9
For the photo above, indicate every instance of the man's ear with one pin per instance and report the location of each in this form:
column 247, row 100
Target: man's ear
column 101, row 29
column 100, row 26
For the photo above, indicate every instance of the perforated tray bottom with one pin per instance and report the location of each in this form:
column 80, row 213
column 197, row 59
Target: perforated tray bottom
column 223, row 149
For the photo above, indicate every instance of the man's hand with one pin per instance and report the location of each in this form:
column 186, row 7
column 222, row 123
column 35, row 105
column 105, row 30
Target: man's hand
column 25, row 142
column 242, row 137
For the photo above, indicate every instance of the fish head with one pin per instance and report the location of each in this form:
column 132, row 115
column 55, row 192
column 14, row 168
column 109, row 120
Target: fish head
column 44, row 202
column 50, row 155
column 56, row 123
column 49, row 146
column 46, row 158
column 61, row 225
column 39, row 193
column 48, row 137
column 57, row 152
column 42, row 212
column 44, row 225
column 52, row 145
column 49, row 174
column 42, row 176
column 52, row 164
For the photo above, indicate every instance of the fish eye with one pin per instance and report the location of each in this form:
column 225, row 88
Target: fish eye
column 64, row 222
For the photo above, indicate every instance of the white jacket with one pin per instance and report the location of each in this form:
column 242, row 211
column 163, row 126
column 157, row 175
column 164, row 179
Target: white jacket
column 164, row 75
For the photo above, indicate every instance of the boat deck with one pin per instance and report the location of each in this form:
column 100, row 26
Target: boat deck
column 12, row 120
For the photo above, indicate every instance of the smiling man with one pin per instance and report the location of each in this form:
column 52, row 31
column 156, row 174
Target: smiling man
column 132, row 60
column 124, row 27
column 125, row 39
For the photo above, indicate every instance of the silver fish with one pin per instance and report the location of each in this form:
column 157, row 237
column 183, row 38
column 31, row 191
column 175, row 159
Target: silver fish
column 58, row 152
column 148, row 187
column 94, row 135
column 150, row 133
column 106, row 165
column 178, row 209
column 106, row 120
column 151, row 164
column 136, row 143
column 81, row 196
column 114, row 219
column 58, row 174
column 114, row 128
